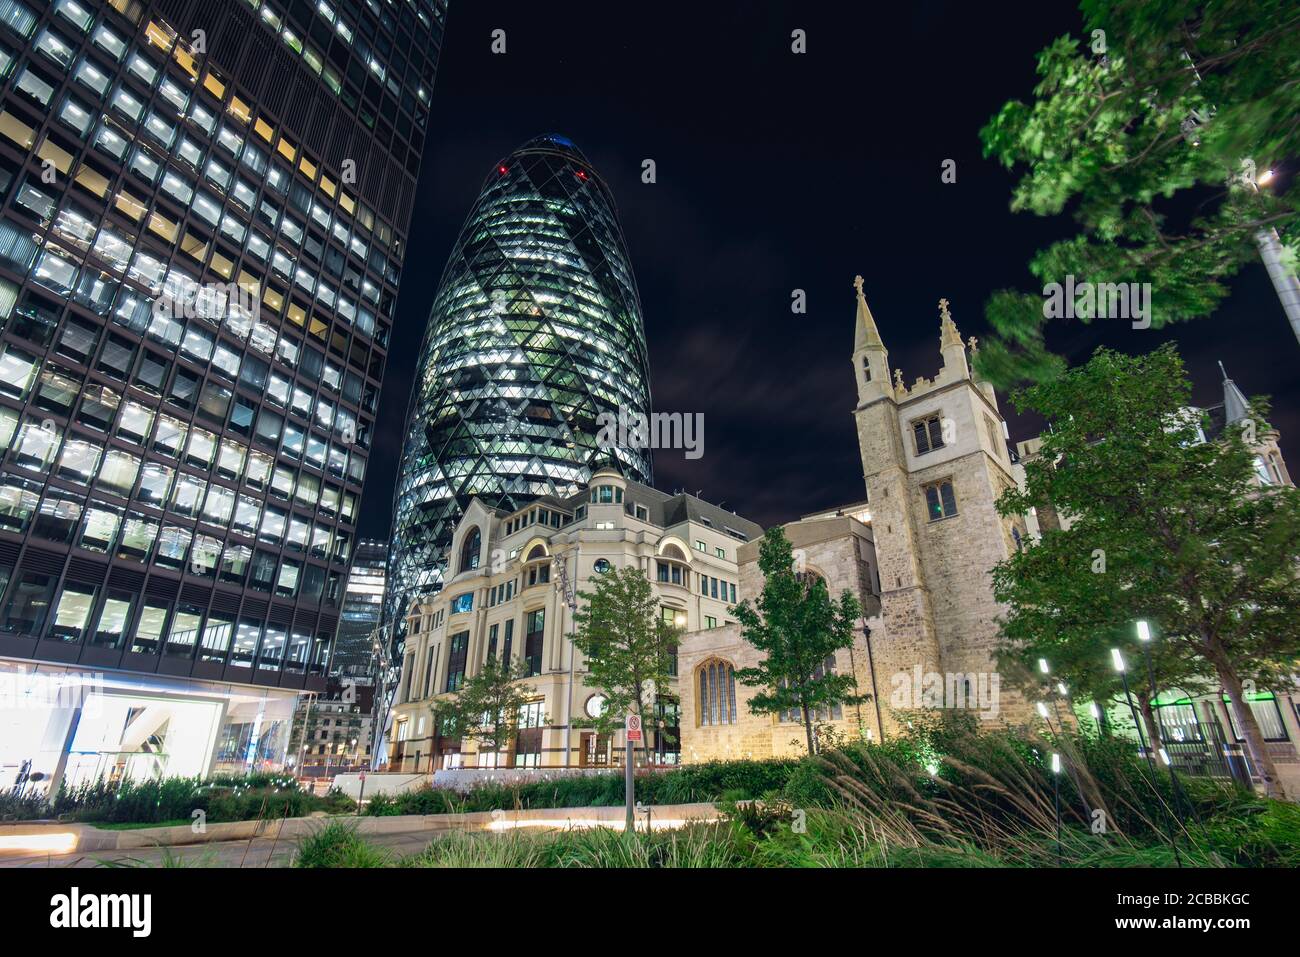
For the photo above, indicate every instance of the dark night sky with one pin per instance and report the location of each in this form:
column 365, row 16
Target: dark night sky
column 779, row 171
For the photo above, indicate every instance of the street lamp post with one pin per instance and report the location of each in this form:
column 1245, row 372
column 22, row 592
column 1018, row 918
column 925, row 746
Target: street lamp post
column 1118, row 660
column 1144, row 639
column 1056, row 800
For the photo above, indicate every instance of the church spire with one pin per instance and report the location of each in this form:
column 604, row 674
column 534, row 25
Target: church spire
column 950, row 345
column 866, row 335
column 1235, row 407
column 870, row 358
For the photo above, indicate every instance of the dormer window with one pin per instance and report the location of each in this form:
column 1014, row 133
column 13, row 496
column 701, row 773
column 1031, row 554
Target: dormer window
column 606, row 495
column 469, row 550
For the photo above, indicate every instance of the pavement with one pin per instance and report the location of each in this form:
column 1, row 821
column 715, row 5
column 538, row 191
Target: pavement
column 257, row 852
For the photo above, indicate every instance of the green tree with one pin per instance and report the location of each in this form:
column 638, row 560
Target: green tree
column 1161, row 527
column 797, row 626
column 1153, row 134
column 626, row 643
column 486, row 708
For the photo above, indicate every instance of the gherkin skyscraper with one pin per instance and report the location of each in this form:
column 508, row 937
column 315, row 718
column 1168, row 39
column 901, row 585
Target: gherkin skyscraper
column 535, row 331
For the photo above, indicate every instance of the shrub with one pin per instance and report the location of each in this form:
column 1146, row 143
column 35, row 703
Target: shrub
column 28, row 807
column 338, row 844
column 221, row 798
column 710, row 782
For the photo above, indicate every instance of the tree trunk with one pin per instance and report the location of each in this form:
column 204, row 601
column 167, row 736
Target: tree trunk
column 1252, row 737
column 807, row 726
column 645, row 734
column 1154, row 738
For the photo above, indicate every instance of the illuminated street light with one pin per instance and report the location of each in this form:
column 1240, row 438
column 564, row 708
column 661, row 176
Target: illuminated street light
column 1117, row 660
column 1042, row 666
column 1144, row 630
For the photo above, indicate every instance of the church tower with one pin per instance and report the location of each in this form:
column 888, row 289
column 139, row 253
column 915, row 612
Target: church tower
column 934, row 460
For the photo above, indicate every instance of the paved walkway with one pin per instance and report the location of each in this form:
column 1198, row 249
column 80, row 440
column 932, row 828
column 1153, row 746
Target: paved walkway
column 258, row 852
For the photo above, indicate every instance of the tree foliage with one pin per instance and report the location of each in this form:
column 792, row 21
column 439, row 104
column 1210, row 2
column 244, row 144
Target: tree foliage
column 1152, row 134
column 626, row 643
column 486, row 708
column 797, row 626
column 1158, row 526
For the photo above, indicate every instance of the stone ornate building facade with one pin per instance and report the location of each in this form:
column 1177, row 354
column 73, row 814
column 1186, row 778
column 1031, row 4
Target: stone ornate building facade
column 917, row 553
column 502, row 598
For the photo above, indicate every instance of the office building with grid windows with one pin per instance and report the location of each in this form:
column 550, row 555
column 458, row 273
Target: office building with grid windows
column 203, row 209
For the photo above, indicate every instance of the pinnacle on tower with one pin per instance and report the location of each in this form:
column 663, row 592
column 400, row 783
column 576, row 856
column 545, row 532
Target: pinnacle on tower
column 1235, row 406
column 866, row 335
column 950, row 345
column 870, row 358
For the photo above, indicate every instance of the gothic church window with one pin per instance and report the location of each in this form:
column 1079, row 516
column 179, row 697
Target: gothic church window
column 717, row 698
column 940, row 500
column 928, row 434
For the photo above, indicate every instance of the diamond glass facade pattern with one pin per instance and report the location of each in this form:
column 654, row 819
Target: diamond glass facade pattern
column 203, row 207
column 534, row 332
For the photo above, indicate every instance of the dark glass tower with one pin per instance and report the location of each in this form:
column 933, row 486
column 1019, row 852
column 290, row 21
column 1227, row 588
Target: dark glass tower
column 203, row 209
column 363, row 601
column 535, row 331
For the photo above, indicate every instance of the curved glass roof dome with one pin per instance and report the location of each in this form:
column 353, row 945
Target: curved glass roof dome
column 535, row 331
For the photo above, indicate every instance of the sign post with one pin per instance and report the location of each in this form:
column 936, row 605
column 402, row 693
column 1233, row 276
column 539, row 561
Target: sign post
column 632, row 731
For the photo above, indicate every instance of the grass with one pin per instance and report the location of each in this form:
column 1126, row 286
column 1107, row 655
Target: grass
column 337, row 844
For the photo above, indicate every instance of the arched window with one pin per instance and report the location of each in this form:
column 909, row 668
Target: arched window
column 833, row 713
column 717, row 702
column 537, row 552
column 673, row 552
column 810, row 579
column 469, row 550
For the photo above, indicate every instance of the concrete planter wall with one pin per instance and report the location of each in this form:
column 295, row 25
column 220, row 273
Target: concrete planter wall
column 89, row 838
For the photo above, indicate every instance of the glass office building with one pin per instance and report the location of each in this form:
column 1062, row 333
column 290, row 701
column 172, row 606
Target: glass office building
column 363, row 602
column 203, row 208
column 535, row 331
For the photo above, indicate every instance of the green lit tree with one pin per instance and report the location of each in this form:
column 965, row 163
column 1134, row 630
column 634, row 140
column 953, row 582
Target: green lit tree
column 627, row 644
column 1160, row 526
column 1154, row 134
column 797, row 626
column 486, row 708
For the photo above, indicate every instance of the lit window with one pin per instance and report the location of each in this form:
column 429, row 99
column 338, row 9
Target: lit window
column 940, row 500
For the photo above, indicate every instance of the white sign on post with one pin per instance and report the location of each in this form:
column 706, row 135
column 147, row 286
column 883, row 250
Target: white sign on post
column 633, row 727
